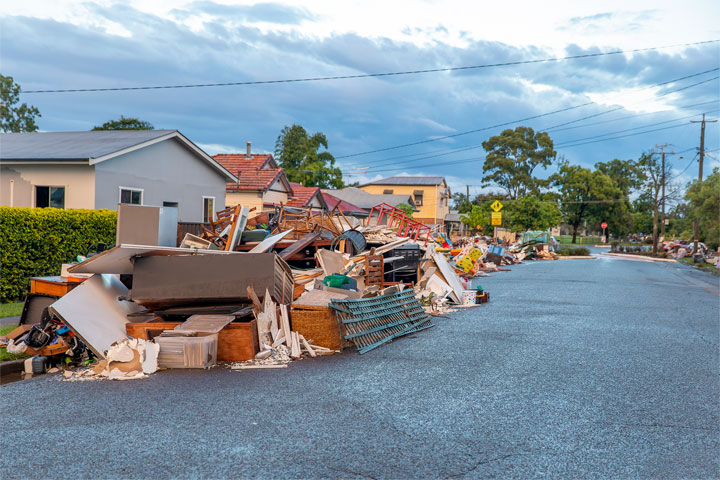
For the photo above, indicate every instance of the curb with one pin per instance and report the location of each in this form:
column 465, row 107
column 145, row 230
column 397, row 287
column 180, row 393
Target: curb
column 12, row 366
column 640, row 257
column 577, row 257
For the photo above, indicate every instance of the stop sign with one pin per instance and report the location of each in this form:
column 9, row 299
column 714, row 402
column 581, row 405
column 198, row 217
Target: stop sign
column 603, row 225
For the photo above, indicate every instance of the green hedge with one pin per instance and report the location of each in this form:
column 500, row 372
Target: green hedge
column 37, row 241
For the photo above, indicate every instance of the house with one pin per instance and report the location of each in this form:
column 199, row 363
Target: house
column 431, row 195
column 306, row 197
column 347, row 208
column 259, row 182
column 100, row 169
column 366, row 200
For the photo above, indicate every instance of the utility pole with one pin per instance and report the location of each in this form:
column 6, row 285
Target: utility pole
column 663, row 180
column 468, row 193
column 700, row 172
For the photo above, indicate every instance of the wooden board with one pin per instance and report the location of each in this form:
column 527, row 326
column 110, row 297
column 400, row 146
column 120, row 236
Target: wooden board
column 55, row 286
column 237, row 342
column 298, row 245
column 449, row 276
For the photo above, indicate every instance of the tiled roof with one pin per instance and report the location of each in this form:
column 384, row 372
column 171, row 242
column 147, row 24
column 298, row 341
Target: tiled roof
column 236, row 162
column 302, row 195
column 367, row 200
column 403, row 180
column 255, row 180
column 346, row 207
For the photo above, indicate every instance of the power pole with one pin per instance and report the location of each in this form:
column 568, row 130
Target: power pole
column 468, row 193
column 700, row 172
column 663, row 180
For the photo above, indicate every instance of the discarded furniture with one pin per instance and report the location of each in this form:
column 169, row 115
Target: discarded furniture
column 160, row 281
column 371, row 322
column 55, row 286
column 237, row 341
column 146, row 225
column 397, row 219
column 319, row 324
column 374, row 270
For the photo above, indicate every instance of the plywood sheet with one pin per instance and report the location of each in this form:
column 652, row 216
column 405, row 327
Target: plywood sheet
column 449, row 276
column 92, row 310
column 205, row 323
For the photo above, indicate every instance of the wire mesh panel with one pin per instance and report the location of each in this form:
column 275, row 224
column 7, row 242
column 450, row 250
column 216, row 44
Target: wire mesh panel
column 371, row 322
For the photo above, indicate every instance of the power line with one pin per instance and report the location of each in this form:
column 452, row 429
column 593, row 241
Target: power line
column 623, row 136
column 512, row 122
column 368, row 75
column 450, row 151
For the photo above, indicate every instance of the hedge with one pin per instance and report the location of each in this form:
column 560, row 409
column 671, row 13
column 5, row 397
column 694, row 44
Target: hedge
column 37, row 241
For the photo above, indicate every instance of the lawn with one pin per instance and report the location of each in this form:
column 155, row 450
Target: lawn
column 567, row 239
column 707, row 267
column 10, row 309
column 4, row 355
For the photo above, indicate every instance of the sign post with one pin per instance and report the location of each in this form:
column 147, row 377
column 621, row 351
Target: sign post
column 604, row 226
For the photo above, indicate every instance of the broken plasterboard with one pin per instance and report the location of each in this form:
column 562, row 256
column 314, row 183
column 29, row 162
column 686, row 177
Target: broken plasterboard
column 450, row 277
column 269, row 242
column 92, row 310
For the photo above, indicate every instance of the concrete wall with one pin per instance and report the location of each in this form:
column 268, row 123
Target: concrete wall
column 166, row 172
column 434, row 207
column 20, row 180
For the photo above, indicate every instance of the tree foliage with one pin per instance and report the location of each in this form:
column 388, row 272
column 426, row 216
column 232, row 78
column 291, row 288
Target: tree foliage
column 125, row 123
column 477, row 218
column 531, row 213
column 580, row 189
column 512, row 158
column 13, row 117
column 704, row 200
column 297, row 153
column 407, row 208
column 627, row 176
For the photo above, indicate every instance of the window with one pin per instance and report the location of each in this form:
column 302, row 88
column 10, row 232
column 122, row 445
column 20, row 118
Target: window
column 387, row 192
column 418, row 194
column 133, row 196
column 50, row 197
column 208, row 209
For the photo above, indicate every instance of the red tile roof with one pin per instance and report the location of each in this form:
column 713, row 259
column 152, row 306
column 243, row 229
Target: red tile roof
column 250, row 172
column 235, row 162
column 345, row 207
column 302, row 195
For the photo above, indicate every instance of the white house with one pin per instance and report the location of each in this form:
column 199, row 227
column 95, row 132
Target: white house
column 99, row 169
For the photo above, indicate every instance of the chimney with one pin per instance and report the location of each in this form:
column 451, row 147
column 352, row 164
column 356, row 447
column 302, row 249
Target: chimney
column 249, row 155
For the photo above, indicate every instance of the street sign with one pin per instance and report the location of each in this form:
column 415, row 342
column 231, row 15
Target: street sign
column 603, row 225
column 495, row 218
column 497, row 206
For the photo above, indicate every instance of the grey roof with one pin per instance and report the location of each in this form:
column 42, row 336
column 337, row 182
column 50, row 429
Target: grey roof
column 363, row 199
column 402, row 180
column 72, row 145
column 453, row 216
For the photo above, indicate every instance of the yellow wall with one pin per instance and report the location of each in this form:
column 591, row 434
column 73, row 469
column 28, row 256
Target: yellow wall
column 252, row 199
column 433, row 209
column 20, row 180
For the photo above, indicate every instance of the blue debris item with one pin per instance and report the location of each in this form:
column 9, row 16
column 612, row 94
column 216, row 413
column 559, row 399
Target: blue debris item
column 371, row 322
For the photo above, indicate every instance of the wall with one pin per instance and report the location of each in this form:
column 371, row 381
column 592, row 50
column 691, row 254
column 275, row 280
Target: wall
column 167, row 172
column 247, row 199
column 276, row 194
column 78, row 180
column 431, row 210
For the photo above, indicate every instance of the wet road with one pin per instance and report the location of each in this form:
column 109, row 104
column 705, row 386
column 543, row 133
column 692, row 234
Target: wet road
column 580, row 368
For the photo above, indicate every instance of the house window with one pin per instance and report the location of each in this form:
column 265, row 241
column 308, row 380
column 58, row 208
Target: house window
column 133, row 196
column 50, row 197
column 387, row 192
column 418, row 194
column 208, row 209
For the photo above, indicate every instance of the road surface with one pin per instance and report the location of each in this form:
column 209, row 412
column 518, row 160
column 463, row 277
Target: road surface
column 581, row 368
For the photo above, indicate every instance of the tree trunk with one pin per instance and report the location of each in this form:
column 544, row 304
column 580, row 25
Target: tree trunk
column 655, row 230
column 575, row 228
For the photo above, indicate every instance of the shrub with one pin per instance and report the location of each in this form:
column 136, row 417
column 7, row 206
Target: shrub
column 574, row 252
column 37, row 241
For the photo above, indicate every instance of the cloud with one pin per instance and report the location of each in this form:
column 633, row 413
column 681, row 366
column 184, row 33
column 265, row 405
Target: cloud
column 260, row 12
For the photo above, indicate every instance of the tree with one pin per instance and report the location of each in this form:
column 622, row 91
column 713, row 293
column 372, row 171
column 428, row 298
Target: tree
column 705, row 207
column 461, row 202
column 15, row 118
column 530, row 213
column 407, row 208
column 125, row 123
column 297, row 153
column 627, row 177
column 580, row 188
column 655, row 187
column 478, row 217
column 512, row 157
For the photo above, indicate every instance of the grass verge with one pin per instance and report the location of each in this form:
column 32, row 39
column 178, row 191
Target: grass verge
column 10, row 309
column 4, row 355
column 706, row 267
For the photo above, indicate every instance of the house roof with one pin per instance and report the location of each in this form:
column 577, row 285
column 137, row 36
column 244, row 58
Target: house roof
column 367, row 200
column 303, row 196
column 346, row 207
column 236, row 162
column 403, row 180
column 89, row 147
column 258, row 180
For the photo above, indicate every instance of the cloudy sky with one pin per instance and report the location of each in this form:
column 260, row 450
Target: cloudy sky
column 634, row 100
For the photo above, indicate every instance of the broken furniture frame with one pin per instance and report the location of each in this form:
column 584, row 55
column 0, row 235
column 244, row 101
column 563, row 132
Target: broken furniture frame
column 399, row 221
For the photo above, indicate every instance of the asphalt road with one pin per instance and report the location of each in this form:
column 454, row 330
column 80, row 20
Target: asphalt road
column 576, row 369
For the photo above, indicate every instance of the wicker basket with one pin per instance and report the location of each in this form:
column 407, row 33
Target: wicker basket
column 320, row 325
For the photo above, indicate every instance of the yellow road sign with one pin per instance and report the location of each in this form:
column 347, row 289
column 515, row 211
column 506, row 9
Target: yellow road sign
column 495, row 218
column 497, row 206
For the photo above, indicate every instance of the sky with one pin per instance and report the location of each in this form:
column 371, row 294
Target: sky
column 632, row 102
